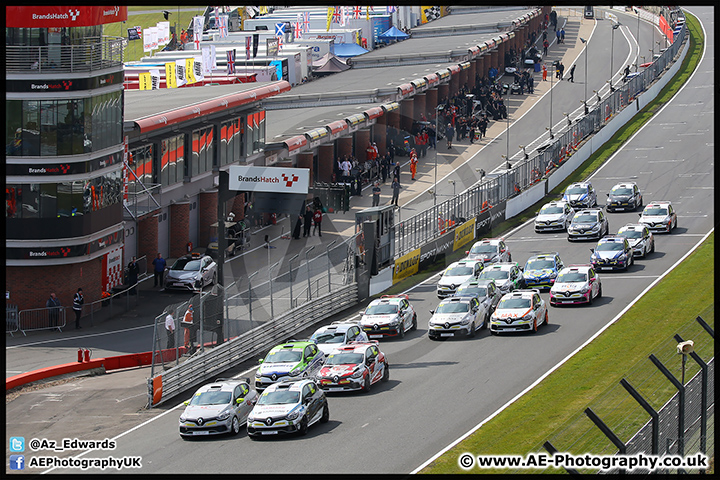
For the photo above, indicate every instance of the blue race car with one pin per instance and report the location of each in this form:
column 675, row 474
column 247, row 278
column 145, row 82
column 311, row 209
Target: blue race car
column 541, row 270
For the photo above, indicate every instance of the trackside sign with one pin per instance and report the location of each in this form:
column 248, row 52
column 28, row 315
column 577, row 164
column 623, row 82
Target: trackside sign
column 269, row 179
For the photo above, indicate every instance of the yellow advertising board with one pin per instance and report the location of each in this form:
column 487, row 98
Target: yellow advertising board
column 406, row 265
column 464, row 234
column 170, row 75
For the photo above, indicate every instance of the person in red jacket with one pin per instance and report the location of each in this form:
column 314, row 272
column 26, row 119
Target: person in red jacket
column 317, row 220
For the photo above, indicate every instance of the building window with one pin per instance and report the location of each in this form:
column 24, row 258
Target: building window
column 140, row 161
column 172, row 160
column 231, row 141
column 202, row 151
column 256, row 132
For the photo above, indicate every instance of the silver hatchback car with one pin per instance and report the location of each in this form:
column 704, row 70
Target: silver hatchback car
column 216, row 408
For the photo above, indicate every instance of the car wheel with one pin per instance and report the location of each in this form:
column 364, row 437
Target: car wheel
column 471, row 333
column 547, row 320
column 303, row 427
column 401, row 330
column 486, row 320
column 414, row 322
column 590, row 297
column 326, row 413
column 235, row 427
column 652, row 247
column 386, row 372
column 535, row 325
column 599, row 295
column 366, row 384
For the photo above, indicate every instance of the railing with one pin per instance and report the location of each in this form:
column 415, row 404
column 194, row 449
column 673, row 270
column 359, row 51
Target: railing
column 11, row 319
column 243, row 347
column 423, row 227
column 94, row 54
column 145, row 199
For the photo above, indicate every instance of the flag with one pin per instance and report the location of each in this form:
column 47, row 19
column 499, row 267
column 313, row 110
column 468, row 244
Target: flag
column 231, row 60
column 170, row 75
column 342, row 16
column 432, row 13
column 223, row 26
column 391, row 10
column 357, row 11
column 330, row 12
column 279, row 29
column 155, row 76
column 306, row 22
column 197, row 31
column 299, row 26
column 198, row 68
column 280, row 43
column 145, row 81
column 180, row 72
column 209, row 60
column 247, row 47
column 190, row 71
column 337, row 15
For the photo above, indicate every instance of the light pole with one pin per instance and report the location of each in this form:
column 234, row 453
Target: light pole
column 586, row 68
column 327, row 253
column 272, row 312
column 437, row 118
column 308, row 270
column 250, row 297
column 612, row 51
column 291, row 278
column 551, row 102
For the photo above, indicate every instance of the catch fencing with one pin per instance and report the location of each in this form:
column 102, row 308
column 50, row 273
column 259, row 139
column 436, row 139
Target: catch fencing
column 426, row 226
column 664, row 405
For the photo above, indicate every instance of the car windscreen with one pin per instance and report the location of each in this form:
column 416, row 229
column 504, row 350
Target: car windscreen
column 486, row 248
column 211, row 398
column 655, row 211
column 588, row 218
column 453, row 307
column 186, row 264
column 279, row 397
column 514, row 303
column 345, row 358
column 469, row 291
column 631, row 234
column 382, row 309
column 621, row 191
column 539, row 265
column 609, row 247
column 576, row 190
column 495, row 274
column 551, row 210
column 571, row 277
column 329, row 337
column 459, row 271
column 284, row 356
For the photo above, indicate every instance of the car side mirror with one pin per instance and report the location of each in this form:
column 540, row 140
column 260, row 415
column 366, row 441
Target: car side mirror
column 639, row 214
column 592, row 250
column 607, row 194
column 260, row 360
column 432, row 312
column 186, row 402
column 239, row 401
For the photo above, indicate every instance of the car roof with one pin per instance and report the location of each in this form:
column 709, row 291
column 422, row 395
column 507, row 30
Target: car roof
column 382, row 300
column 293, row 385
column 489, row 241
column 558, row 203
column 355, row 347
column 551, row 255
column 633, row 226
column 502, row 266
column 612, row 239
column 580, row 184
column 480, row 283
column 577, row 268
column 340, row 327
column 658, row 203
column 624, row 184
column 464, row 262
column 461, row 299
column 222, row 386
column 292, row 345
column 588, row 210
column 522, row 293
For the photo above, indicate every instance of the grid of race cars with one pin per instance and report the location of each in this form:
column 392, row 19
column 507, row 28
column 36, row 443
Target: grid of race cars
column 486, row 289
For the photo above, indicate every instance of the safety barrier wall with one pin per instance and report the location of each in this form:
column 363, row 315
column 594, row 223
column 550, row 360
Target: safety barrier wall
column 249, row 344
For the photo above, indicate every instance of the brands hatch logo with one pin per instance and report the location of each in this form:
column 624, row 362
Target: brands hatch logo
column 289, row 181
column 74, row 14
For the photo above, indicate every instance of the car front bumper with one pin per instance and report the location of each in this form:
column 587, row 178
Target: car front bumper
column 515, row 326
column 452, row 331
column 569, row 298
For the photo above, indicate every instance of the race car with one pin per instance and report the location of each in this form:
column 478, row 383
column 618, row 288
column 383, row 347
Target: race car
column 456, row 274
column 217, row 408
column 540, row 270
column 355, row 366
column 659, row 217
column 590, row 223
column 288, row 407
column 624, row 196
column 518, row 311
column 456, row 316
column 580, row 195
column 289, row 361
column 554, row 216
column 191, row 272
column 389, row 316
column 489, row 250
column 640, row 237
column 486, row 292
column 576, row 284
column 329, row 337
column 612, row 253
column 508, row 276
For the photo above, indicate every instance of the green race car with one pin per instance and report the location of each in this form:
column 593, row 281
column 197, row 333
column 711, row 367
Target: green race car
column 289, row 361
column 508, row 276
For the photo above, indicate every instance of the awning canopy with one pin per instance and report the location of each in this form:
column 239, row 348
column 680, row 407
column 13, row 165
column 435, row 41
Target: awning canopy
column 345, row 50
column 393, row 33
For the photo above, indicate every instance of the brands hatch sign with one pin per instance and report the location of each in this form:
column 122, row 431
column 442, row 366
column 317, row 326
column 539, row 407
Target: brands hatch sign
column 269, row 179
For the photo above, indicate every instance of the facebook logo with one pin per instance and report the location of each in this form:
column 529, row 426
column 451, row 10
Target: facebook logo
column 17, row 444
column 17, row 462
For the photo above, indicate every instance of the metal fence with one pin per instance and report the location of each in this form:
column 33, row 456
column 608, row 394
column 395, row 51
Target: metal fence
column 423, row 227
column 94, row 53
column 664, row 405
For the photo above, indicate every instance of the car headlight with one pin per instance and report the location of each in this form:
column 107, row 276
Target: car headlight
column 183, row 417
column 505, row 287
column 595, row 228
column 294, row 413
column 224, row 415
column 294, row 373
column 258, row 374
column 394, row 322
column 622, row 257
column 527, row 317
column 585, row 289
column 465, row 320
column 357, row 373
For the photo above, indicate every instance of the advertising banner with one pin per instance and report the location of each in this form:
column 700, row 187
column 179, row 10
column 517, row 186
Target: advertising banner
column 485, row 221
column 464, row 234
column 430, row 252
column 269, row 179
column 406, row 265
column 48, row 16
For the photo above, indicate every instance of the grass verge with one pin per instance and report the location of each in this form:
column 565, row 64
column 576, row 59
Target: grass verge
column 523, row 426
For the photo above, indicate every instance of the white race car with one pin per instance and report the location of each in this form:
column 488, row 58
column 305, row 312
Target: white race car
column 332, row 336
column 218, row 407
column 458, row 316
column 640, row 237
column 456, row 274
column 389, row 316
column 489, row 250
column 659, row 216
column 554, row 216
column 355, row 366
column 288, row 407
column 518, row 311
column 576, row 284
